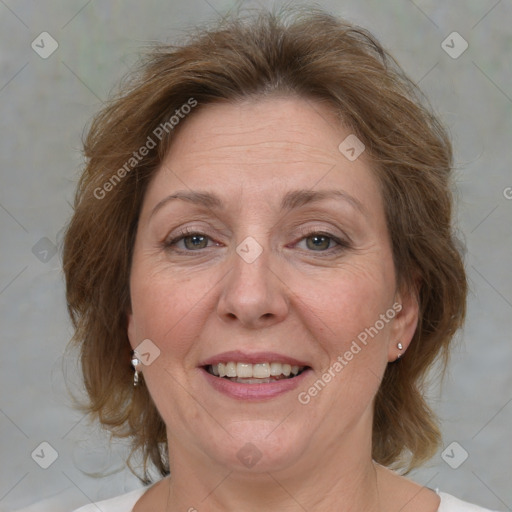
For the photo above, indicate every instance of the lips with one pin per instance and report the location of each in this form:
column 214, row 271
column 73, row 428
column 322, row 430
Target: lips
column 272, row 374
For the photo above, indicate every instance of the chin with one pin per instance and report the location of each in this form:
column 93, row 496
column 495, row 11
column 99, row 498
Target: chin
column 258, row 446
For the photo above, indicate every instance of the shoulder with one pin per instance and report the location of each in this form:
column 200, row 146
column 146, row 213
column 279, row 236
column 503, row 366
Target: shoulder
column 451, row 504
column 123, row 503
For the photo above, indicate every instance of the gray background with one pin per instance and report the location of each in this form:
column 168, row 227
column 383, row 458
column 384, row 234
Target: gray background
column 44, row 106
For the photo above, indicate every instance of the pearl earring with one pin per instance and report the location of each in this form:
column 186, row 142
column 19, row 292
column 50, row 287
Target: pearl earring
column 400, row 347
column 136, row 363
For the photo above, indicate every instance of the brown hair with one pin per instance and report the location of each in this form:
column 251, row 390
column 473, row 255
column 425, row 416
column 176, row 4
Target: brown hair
column 307, row 53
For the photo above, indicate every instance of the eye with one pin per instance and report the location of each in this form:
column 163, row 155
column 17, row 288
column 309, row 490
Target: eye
column 318, row 241
column 192, row 241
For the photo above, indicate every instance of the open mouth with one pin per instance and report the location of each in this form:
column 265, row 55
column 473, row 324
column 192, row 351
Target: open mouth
column 259, row 373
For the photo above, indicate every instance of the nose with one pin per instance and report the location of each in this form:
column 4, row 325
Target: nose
column 253, row 293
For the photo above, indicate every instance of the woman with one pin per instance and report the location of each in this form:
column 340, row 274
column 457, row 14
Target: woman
column 263, row 230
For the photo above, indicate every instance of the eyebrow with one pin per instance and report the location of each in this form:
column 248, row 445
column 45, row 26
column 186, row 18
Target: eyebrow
column 291, row 200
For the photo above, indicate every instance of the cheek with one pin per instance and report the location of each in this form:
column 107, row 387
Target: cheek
column 354, row 314
column 351, row 299
column 167, row 305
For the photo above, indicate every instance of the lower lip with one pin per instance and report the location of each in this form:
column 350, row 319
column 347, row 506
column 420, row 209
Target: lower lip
column 254, row 392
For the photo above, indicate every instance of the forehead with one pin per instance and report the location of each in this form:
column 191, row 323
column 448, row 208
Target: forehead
column 260, row 149
column 262, row 131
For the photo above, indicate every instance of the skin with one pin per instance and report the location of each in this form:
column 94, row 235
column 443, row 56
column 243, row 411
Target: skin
column 296, row 299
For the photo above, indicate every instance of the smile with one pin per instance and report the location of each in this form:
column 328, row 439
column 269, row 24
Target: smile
column 259, row 373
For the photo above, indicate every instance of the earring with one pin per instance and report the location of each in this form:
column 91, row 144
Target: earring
column 136, row 363
column 400, row 347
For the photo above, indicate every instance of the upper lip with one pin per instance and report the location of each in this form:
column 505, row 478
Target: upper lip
column 252, row 357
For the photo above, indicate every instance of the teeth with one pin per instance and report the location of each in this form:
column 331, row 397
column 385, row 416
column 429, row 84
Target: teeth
column 253, row 371
column 261, row 371
column 243, row 370
column 276, row 369
column 231, row 370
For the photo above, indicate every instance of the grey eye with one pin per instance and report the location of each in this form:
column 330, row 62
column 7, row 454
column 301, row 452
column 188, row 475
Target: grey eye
column 196, row 241
column 318, row 242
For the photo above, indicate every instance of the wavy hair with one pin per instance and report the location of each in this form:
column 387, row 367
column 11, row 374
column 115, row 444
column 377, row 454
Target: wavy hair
column 302, row 52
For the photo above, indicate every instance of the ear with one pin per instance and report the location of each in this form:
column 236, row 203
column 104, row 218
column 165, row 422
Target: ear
column 405, row 322
column 130, row 327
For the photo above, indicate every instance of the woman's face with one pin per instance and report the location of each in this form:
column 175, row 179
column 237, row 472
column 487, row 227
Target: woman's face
column 285, row 262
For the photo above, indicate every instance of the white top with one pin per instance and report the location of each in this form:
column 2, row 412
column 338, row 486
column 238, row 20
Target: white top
column 126, row 502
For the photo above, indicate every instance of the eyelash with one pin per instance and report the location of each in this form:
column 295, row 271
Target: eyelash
column 187, row 232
